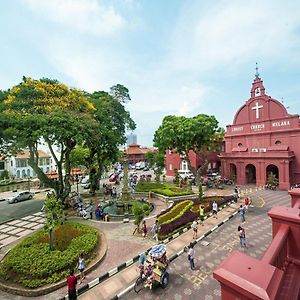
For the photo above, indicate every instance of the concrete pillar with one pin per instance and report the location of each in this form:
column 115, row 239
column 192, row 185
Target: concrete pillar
column 284, row 175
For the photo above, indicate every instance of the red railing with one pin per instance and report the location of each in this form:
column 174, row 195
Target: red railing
column 277, row 253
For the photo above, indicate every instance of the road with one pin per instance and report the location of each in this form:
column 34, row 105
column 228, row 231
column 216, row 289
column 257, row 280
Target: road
column 20, row 209
column 28, row 207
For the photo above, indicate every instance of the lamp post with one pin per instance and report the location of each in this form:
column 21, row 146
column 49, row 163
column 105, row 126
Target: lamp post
column 29, row 184
column 77, row 179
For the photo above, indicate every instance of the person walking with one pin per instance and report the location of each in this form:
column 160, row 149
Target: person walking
column 155, row 230
column 195, row 229
column 81, row 267
column 191, row 255
column 215, row 209
column 144, row 229
column 242, row 213
column 91, row 211
column 242, row 236
column 71, row 282
column 202, row 214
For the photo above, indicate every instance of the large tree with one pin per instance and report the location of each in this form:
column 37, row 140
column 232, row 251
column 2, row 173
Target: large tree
column 113, row 121
column 46, row 110
column 156, row 160
column 200, row 134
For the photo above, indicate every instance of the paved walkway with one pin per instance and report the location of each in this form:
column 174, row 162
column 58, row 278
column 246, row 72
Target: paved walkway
column 12, row 231
column 200, row 284
column 122, row 246
column 119, row 282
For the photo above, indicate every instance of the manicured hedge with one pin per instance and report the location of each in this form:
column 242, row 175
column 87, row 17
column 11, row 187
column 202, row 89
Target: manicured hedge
column 176, row 211
column 32, row 264
column 164, row 189
column 186, row 216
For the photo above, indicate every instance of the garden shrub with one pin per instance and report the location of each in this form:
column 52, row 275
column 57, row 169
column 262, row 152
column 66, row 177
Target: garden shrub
column 176, row 211
column 164, row 189
column 32, row 264
column 183, row 212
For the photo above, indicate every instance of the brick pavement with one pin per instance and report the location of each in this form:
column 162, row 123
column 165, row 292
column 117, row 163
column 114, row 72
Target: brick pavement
column 11, row 231
column 122, row 246
column 115, row 284
column 200, row 284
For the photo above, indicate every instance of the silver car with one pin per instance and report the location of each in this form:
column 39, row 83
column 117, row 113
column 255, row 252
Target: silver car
column 21, row 196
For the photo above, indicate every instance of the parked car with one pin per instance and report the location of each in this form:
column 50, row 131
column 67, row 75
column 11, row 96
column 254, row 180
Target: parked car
column 186, row 174
column 21, row 196
column 85, row 183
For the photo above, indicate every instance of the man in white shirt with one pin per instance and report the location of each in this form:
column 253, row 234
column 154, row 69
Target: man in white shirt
column 215, row 209
column 195, row 229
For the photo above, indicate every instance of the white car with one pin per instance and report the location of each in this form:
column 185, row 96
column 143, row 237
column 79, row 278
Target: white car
column 21, row 196
column 85, row 183
column 186, row 174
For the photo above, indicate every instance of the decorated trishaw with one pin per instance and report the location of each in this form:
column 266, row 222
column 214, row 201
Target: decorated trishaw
column 153, row 271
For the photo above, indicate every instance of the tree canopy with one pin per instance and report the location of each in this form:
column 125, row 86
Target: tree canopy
column 199, row 134
column 63, row 117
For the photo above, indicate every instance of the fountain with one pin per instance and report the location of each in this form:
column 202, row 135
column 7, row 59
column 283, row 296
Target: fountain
column 121, row 208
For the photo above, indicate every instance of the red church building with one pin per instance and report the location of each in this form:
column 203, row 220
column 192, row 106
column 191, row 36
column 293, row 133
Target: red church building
column 263, row 138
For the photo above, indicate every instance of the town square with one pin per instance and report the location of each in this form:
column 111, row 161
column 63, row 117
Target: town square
column 149, row 150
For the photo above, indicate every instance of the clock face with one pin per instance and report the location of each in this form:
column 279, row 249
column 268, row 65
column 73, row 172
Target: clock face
column 257, row 92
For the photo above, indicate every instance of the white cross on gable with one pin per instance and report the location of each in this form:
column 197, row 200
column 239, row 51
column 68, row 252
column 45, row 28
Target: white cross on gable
column 257, row 107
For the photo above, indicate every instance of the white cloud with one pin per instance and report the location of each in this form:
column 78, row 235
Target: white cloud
column 233, row 33
column 86, row 16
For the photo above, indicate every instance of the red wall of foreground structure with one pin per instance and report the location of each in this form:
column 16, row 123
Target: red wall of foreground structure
column 277, row 275
column 263, row 138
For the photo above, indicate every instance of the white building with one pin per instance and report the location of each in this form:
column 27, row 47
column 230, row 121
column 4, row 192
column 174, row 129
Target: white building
column 18, row 165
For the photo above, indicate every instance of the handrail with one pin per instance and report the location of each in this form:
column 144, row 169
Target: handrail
column 276, row 254
column 297, row 204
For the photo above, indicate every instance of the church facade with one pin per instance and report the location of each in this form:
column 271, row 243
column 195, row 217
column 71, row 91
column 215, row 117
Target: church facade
column 263, row 138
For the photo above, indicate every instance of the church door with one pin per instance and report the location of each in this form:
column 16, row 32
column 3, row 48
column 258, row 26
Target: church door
column 251, row 174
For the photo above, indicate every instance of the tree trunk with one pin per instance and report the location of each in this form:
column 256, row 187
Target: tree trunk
column 51, row 239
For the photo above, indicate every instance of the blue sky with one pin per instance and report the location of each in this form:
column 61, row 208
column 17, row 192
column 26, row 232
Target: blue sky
column 175, row 57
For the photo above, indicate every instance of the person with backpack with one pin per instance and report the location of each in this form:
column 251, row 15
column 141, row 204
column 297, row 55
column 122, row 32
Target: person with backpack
column 242, row 236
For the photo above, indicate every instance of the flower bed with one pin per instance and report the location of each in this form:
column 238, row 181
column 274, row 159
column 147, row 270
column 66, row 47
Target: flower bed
column 177, row 210
column 164, row 189
column 32, row 264
column 187, row 215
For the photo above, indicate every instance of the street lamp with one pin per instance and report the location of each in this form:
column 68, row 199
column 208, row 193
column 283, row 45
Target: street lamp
column 77, row 179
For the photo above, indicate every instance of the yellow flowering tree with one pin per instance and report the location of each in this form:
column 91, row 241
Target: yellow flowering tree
column 48, row 110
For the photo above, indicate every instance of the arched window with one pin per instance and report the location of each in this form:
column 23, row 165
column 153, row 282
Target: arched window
column 184, row 165
column 278, row 142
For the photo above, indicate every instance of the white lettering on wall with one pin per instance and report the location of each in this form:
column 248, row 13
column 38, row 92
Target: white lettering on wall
column 241, row 128
column 257, row 127
column 259, row 150
column 281, row 123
